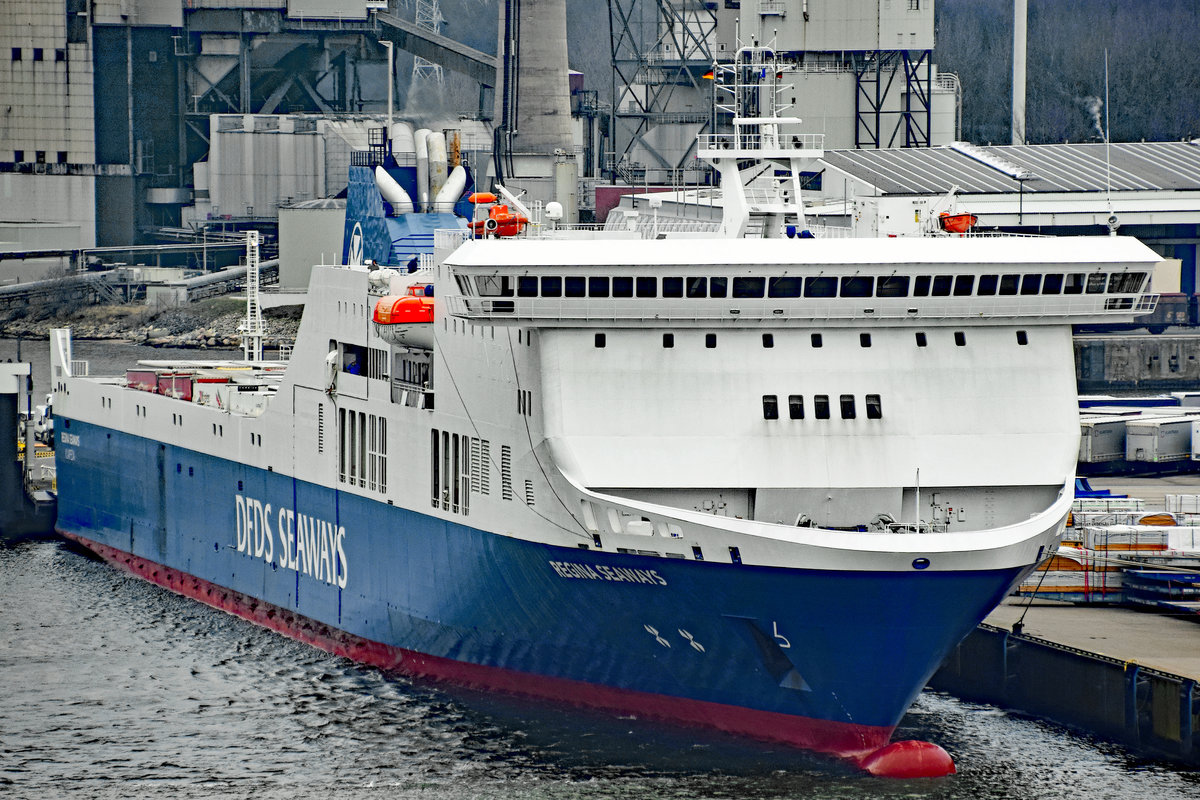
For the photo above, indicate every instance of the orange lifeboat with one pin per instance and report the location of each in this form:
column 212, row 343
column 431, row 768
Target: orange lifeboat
column 956, row 223
column 405, row 320
column 500, row 221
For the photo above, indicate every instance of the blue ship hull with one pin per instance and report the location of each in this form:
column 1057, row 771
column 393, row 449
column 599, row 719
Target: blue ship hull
column 824, row 659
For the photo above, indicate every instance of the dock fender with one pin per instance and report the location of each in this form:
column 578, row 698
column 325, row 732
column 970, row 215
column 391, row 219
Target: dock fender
column 909, row 759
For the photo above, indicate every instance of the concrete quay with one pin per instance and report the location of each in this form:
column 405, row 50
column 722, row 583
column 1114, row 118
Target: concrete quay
column 1122, row 673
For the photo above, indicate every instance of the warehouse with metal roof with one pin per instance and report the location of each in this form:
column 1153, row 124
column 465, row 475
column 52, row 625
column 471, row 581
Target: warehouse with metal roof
column 1150, row 190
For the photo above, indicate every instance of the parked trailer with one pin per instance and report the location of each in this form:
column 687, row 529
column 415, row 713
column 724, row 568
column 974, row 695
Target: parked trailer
column 1159, row 440
column 1102, row 439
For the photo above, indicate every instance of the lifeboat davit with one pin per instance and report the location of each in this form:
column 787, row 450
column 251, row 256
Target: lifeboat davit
column 405, row 320
column 956, row 223
column 500, row 221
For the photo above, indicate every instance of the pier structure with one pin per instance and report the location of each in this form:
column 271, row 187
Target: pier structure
column 1122, row 674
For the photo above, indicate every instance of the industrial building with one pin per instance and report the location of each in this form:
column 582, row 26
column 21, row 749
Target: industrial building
column 865, row 76
column 1149, row 190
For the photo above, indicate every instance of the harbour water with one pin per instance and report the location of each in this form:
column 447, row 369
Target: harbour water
column 112, row 687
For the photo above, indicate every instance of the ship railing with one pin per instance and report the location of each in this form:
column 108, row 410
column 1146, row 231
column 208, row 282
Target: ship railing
column 684, row 309
column 742, row 141
column 917, row 527
column 450, row 238
column 411, row 395
column 830, row 231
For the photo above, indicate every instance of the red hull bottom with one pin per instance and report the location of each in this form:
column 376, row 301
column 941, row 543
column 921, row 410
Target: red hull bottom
column 867, row 746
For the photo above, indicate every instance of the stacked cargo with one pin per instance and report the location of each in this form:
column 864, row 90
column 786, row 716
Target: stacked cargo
column 1102, row 548
column 1102, row 439
column 1172, row 591
column 1158, row 440
column 1075, row 575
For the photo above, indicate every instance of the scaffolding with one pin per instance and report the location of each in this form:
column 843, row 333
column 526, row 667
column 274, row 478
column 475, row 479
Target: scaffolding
column 662, row 58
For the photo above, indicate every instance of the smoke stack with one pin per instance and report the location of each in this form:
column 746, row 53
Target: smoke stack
column 1020, row 16
column 532, row 99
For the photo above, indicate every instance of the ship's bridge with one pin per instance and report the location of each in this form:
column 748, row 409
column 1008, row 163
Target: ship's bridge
column 633, row 283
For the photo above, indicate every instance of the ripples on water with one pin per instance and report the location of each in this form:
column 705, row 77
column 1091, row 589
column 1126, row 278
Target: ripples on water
column 112, row 687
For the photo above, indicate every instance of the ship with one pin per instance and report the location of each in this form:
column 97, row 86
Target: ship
column 751, row 481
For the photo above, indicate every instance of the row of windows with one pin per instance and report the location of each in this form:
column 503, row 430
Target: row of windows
column 362, row 450
column 459, row 465
column 60, row 54
column 821, row 406
column 815, row 339
column 450, row 471
column 819, row 286
column 39, row 156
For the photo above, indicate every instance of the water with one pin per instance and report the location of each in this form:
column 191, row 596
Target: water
column 113, row 687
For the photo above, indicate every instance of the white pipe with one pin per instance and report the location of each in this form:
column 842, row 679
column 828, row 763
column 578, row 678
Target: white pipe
column 388, row 45
column 393, row 192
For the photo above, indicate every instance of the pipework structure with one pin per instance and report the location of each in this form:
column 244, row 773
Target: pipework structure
column 864, row 75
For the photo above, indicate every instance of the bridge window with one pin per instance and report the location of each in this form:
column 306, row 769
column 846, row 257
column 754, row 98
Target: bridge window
column 495, row 286
column 821, row 406
column 874, row 407
column 988, row 284
column 1052, row 284
column 770, row 406
column 857, row 286
column 551, row 286
column 1074, row 284
column 942, row 284
column 597, row 287
column 795, row 406
column 892, row 286
column 963, row 284
column 785, row 286
column 697, row 287
column 647, row 287
column 672, row 287
column 1096, row 283
column 921, row 286
column 1009, row 283
column 622, row 286
column 1126, row 282
column 718, row 287
column 820, row 287
column 574, row 286
column 749, row 287
column 527, row 286
column 1031, row 284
